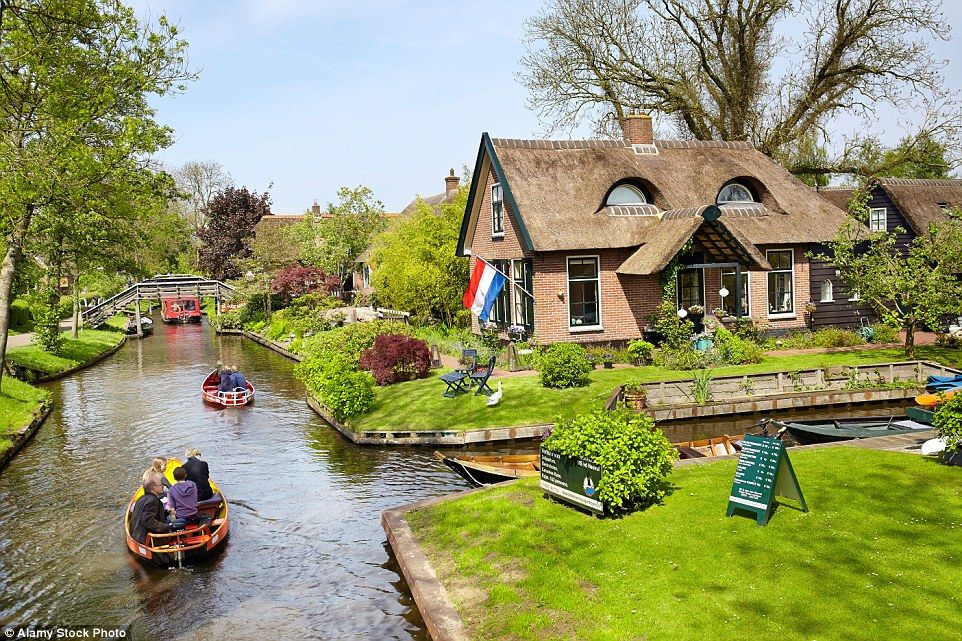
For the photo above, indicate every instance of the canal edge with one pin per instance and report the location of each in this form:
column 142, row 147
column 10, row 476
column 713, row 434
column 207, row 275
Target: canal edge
column 21, row 437
column 440, row 616
column 93, row 361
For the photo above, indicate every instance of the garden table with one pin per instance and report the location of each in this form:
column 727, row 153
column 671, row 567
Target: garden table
column 456, row 383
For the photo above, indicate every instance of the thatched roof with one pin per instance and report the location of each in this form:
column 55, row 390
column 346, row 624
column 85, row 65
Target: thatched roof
column 558, row 189
column 919, row 200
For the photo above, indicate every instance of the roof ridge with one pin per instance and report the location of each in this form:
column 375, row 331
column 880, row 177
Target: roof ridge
column 531, row 143
column 835, row 188
column 921, row 182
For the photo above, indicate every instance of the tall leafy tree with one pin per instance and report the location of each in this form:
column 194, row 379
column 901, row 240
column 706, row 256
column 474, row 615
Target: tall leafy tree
column 913, row 287
column 712, row 68
column 334, row 240
column 225, row 239
column 415, row 266
column 76, row 77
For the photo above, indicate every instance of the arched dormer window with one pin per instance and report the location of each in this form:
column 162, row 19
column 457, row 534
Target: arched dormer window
column 828, row 294
column 735, row 193
column 626, row 194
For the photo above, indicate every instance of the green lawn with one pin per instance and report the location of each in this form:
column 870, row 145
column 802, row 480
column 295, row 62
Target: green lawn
column 876, row 558
column 91, row 344
column 19, row 402
column 418, row 405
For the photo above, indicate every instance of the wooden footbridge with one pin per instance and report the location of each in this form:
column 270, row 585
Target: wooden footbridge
column 155, row 289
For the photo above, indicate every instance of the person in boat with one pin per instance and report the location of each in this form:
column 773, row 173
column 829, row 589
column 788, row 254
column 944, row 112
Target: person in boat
column 157, row 467
column 182, row 499
column 226, row 380
column 199, row 473
column 149, row 514
column 240, row 381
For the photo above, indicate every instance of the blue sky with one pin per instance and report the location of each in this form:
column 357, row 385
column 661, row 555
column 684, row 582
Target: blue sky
column 312, row 95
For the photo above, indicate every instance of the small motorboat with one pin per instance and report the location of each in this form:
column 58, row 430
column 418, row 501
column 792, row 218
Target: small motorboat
column 710, row 447
column 146, row 326
column 226, row 399
column 943, row 383
column 190, row 545
column 180, row 310
column 844, row 429
column 485, row 469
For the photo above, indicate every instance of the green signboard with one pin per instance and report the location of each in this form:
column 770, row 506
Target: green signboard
column 571, row 479
column 764, row 471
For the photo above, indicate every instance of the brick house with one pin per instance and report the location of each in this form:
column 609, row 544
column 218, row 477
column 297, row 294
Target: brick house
column 589, row 226
column 908, row 204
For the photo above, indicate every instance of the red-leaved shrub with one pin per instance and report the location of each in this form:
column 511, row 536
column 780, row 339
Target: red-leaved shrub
column 296, row 280
column 394, row 358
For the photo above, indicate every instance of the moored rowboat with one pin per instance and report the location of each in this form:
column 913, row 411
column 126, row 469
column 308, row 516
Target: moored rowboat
column 189, row 545
column 710, row 447
column 844, row 429
column 226, row 399
column 485, row 469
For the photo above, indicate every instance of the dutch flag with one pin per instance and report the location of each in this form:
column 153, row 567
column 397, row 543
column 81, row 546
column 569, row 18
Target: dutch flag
column 486, row 284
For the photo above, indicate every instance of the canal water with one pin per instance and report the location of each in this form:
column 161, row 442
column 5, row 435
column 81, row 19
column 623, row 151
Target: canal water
column 306, row 558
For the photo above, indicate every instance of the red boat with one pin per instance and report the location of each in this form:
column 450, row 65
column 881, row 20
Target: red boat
column 180, row 310
column 225, row 399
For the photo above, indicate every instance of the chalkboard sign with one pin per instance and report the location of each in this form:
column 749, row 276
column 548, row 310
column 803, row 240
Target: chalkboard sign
column 764, row 471
column 571, row 479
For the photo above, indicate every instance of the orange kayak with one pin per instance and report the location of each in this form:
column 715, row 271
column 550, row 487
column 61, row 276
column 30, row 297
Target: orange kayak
column 931, row 400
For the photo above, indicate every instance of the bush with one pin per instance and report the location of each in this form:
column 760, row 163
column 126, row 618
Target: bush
column 640, row 351
column 20, row 318
column 675, row 332
column 836, row 337
column 47, row 329
column 350, row 341
column 336, row 383
column 735, row 350
column 948, row 422
column 563, row 365
column 226, row 320
column 687, row 358
column 297, row 280
column 394, row 358
column 886, row 333
column 636, row 457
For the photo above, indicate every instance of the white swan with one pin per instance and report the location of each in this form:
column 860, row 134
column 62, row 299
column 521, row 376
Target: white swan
column 495, row 398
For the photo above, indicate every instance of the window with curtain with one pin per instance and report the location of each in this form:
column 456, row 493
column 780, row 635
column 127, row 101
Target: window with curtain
column 497, row 210
column 691, row 288
column 828, row 295
column 501, row 312
column 584, row 292
column 728, row 303
column 781, row 282
column 523, row 303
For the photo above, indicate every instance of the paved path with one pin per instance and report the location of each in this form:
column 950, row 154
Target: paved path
column 22, row 340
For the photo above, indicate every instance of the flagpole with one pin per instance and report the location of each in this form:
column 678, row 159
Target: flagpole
column 506, row 277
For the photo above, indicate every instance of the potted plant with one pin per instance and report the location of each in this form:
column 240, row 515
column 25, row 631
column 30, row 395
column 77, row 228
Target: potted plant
column 591, row 359
column 516, row 333
column 608, row 359
column 636, row 396
column 719, row 313
column 696, row 310
column 947, row 422
column 640, row 351
column 702, row 342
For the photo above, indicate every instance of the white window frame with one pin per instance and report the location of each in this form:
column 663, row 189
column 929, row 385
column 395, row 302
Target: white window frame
column 831, row 291
column 855, row 297
column 872, row 221
column 768, row 303
column 582, row 328
column 746, row 279
column 704, row 301
column 366, row 275
column 496, row 233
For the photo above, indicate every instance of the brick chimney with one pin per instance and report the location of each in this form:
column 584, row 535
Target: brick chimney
column 637, row 129
column 316, row 209
column 451, row 182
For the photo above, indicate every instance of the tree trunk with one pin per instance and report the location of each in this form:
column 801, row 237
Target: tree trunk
column 910, row 340
column 75, row 330
column 7, row 272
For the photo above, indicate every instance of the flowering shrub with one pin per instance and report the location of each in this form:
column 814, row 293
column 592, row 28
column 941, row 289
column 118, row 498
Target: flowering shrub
column 564, row 365
column 394, row 358
column 634, row 455
column 297, row 280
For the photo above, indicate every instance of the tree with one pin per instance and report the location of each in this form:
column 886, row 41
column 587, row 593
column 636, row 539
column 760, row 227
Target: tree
column 709, row 66
column 199, row 181
column 916, row 286
column 335, row 239
column 225, row 239
column 76, row 77
column 415, row 266
column 297, row 280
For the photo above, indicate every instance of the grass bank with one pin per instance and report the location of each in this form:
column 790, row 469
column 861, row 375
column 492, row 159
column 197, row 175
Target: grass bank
column 877, row 553
column 19, row 403
column 90, row 344
column 418, row 405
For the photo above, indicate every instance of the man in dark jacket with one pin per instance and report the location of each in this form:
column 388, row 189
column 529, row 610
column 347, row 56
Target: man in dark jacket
column 149, row 514
column 199, row 473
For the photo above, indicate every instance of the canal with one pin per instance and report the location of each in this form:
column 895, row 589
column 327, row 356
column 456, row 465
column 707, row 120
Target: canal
column 307, row 557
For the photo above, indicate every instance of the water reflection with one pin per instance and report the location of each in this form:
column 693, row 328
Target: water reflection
column 307, row 557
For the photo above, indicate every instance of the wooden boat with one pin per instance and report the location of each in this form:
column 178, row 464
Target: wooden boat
column 185, row 309
column 225, row 399
column 844, row 429
column 146, row 326
column 189, row 545
column 485, row 469
column 920, row 415
column 710, row 447
column 932, row 400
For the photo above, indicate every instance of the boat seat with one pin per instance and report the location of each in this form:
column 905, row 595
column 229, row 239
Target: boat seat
column 213, row 501
column 216, row 523
column 193, row 540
